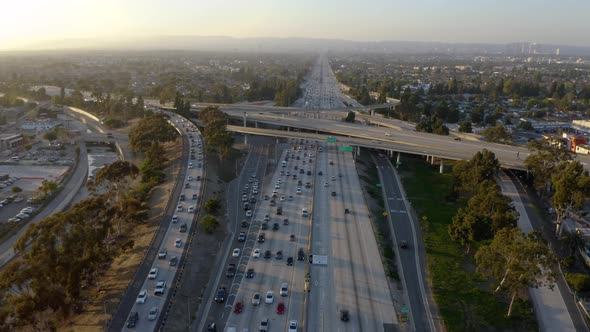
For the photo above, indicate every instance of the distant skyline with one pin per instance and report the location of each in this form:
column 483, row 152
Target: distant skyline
column 33, row 24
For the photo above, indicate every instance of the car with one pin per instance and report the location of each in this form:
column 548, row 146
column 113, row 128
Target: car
column 183, row 228
column 344, row 315
column 242, row 237
column 250, row 273
column 300, row 254
column 153, row 314
column 279, row 254
column 290, row 261
column 220, row 295
column 267, row 254
column 162, row 254
column 160, row 287
column 282, row 198
column 236, row 252
column 238, row 307
column 255, row 191
column 142, row 297
column 256, row 299
column 404, row 244
column 299, row 191
column 333, row 193
column 281, row 308
column 279, row 211
column 191, row 209
column 263, row 325
column 275, row 226
column 194, row 197
column 187, row 185
column 457, row 138
column 182, row 197
column 173, row 260
column 309, row 172
column 253, row 199
column 249, row 213
column 346, row 211
column 286, row 221
column 244, row 198
column 244, row 223
column 178, row 243
column 174, row 219
column 133, row 319
column 256, row 253
column 273, row 203
column 211, row 327
column 261, row 237
column 292, row 326
column 231, row 270
column 290, row 198
column 179, row 208
column 246, row 206
column 267, row 217
column 190, row 178
column 333, row 178
column 153, row 273
column 326, row 184
column 266, row 198
column 264, row 226
column 292, row 238
column 28, row 209
column 269, row 298
column 302, row 171
column 284, row 289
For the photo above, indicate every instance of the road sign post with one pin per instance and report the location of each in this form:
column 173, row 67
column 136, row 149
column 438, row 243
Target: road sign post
column 331, row 140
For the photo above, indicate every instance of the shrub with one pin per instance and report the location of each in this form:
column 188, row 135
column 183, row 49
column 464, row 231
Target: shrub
column 113, row 123
column 209, row 223
column 212, row 205
column 580, row 282
column 16, row 189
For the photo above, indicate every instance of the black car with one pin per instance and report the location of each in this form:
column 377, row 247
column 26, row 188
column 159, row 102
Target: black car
column 289, row 261
column 346, row 211
column 302, row 171
column 267, row 254
column 266, row 198
column 220, row 295
column 279, row 211
column 252, row 200
column 133, row 319
column 333, row 193
column 264, row 226
column 211, row 327
column 344, row 315
column 173, row 261
column 261, row 237
column 404, row 244
column 183, row 228
column 300, row 254
column 286, row 221
column 250, row 273
column 279, row 254
column 320, row 173
column 308, row 172
column 231, row 270
column 244, row 223
column 275, row 226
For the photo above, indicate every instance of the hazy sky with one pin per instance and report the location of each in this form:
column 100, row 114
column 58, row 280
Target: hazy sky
column 27, row 22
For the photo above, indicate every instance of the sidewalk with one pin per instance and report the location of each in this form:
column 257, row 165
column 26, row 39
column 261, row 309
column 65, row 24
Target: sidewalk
column 550, row 308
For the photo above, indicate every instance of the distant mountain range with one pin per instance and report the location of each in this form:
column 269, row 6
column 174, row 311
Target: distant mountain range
column 222, row 43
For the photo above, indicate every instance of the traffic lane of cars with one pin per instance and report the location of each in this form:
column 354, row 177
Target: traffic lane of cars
column 263, row 285
column 170, row 251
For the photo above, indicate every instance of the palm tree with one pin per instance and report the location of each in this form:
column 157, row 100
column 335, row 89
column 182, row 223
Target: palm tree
column 573, row 241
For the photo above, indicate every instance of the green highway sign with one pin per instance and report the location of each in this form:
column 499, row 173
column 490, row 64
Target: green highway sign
column 378, row 185
column 346, row 149
column 405, row 310
column 331, row 140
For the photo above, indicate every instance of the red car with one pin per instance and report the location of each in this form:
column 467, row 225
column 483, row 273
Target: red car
column 238, row 307
column 281, row 308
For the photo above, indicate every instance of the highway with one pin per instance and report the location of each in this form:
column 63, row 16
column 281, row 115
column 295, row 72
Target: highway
column 165, row 238
column 406, row 228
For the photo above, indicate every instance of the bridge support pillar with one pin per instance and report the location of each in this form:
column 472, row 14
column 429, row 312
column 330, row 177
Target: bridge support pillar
column 288, row 128
column 358, row 150
column 246, row 139
column 399, row 156
column 244, row 119
column 256, row 124
column 442, row 167
column 431, row 160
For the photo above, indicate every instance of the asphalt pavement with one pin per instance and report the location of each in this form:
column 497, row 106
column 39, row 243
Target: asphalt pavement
column 411, row 259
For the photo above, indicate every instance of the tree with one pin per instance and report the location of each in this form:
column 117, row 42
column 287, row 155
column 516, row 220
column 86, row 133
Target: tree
column 350, row 117
column 542, row 163
column 525, row 125
column 50, row 135
column 468, row 175
column 465, row 127
column 48, row 186
column 498, row 134
column 154, row 128
column 579, row 281
column 573, row 241
column 212, row 205
column 209, row 223
column 516, row 261
column 16, row 189
column 571, row 183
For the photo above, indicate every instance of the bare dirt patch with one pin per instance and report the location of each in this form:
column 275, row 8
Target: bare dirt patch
column 102, row 300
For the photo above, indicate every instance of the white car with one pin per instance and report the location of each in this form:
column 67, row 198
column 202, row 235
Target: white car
column 178, row 243
column 28, row 209
column 191, row 209
column 299, row 191
column 153, row 273
column 236, row 252
column 141, row 297
column 387, row 134
column 179, row 208
column 269, row 298
column 174, row 218
column 190, row 178
column 256, row 253
column 326, row 184
column 153, row 314
column 282, row 199
column 249, row 213
column 293, row 326
column 160, row 287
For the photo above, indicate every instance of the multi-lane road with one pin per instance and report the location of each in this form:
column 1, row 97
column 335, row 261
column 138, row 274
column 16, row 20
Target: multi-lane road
column 143, row 305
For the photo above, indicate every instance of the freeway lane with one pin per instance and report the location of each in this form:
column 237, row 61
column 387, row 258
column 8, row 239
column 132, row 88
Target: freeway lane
column 404, row 228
